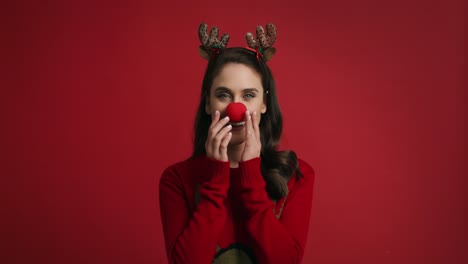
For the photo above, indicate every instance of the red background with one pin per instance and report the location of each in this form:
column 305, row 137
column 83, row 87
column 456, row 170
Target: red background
column 99, row 98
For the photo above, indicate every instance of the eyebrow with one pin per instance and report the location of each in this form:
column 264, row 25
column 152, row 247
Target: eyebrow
column 225, row 89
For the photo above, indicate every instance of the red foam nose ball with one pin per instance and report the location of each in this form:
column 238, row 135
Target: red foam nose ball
column 236, row 112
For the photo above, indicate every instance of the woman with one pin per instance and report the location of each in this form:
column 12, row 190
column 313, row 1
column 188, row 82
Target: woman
column 237, row 199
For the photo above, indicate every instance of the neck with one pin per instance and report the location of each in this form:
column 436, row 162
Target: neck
column 234, row 154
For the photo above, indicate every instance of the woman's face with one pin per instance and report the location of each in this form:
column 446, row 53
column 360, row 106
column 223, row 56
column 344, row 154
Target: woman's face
column 236, row 83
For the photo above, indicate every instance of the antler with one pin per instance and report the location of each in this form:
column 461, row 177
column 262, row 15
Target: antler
column 210, row 44
column 262, row 41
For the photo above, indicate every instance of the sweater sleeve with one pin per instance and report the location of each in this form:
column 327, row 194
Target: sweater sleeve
column 192, row 238
column 276, row 240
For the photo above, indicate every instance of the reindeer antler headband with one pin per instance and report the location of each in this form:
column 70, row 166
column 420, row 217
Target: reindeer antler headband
column 261, row 45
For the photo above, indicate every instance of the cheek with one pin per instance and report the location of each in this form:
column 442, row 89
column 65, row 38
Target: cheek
column 220, row 106
column 255, row 107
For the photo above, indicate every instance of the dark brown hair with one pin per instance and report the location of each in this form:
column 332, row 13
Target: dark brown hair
column 277, row 166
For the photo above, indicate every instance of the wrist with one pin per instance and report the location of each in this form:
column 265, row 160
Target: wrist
column 218, row 171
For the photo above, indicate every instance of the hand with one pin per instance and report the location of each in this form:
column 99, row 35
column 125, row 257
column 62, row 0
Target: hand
column 218, row 138
column 253, row 144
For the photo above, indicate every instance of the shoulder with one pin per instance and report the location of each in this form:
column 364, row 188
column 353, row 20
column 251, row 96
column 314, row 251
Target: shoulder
column 181, row 170
column 306, row 169
column 178, row 169
column 302, row 184
column 307, row 172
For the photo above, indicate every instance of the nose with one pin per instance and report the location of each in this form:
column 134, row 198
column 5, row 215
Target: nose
column 237, row 99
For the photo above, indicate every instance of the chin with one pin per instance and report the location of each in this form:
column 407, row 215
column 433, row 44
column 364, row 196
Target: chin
column 236, row 140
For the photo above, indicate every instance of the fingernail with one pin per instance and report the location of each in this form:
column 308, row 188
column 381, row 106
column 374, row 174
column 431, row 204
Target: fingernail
column 217, row 112
column 255, row 113
column 247, row 112
column 229, row 126
column 226, row 118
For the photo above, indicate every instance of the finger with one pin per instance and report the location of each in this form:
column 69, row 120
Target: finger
column 223, row 132
column 218, row 126
column 214, row 121
column 255, row 123
column 248, row 124
column 223, row 146
column 214, row 118
column 219, row 138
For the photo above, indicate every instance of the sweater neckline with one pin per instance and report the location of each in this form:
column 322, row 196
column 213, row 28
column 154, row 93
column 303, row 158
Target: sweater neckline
column 234, row 170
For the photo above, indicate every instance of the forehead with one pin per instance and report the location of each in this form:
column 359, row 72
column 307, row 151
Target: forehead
column 237, row 76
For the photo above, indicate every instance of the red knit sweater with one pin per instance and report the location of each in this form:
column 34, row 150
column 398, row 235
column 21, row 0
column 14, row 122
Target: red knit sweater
column 206, row 207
